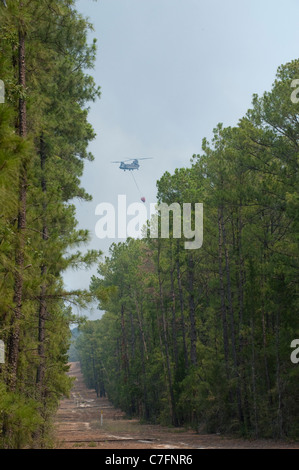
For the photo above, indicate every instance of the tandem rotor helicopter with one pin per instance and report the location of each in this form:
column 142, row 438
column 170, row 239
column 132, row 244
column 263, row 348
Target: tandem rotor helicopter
column 132, row 166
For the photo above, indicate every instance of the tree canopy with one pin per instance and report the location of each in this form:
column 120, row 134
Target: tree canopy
column 44, row 137
column 202, row 337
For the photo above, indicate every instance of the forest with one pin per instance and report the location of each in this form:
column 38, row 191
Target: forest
column 202, row 338
column 44, row 137
column 188, row 338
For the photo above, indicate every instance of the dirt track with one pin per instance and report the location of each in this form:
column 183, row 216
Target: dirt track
column 78, row 425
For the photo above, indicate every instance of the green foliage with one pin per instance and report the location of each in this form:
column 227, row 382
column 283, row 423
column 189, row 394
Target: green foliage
column 202, row 338
column 40, row 171
column 20, row 415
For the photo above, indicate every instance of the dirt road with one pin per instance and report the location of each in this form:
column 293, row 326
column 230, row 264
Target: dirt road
column 78, row 425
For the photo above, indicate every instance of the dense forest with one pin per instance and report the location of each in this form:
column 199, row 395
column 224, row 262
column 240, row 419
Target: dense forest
column 197, row 338
column 202, row 338
column 44, row 137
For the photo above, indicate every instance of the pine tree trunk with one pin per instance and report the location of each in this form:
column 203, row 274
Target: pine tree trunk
column 240, row 269
column 43, row 305
column 222, row 296
column 268, row 383
column 124, row 344
column 278, row 378
column 40, row 374
column 166, row 346
column 265, row 356
column 181, row 298
column 133, row 346
column 193, row 335
column 241, row 276
column 253, row 372
column 173, row 312
column 145, row 400
column 140, row 323
column 144, row 355
column 232, row 322
column 14, row 339
column 95, row 377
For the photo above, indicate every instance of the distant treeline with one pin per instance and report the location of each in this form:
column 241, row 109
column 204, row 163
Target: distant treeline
column 44, row 135
column 72, row 352
column 203, row 337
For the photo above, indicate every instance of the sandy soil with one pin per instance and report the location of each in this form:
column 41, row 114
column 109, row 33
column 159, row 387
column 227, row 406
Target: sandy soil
column 78, row 426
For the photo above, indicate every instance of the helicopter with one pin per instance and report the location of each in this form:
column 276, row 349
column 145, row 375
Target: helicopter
column 131, row 166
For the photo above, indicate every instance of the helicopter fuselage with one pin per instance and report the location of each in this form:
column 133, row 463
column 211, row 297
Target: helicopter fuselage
column 129, row 166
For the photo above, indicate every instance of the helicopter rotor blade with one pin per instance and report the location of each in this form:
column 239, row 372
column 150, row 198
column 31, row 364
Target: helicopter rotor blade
column 133, row 159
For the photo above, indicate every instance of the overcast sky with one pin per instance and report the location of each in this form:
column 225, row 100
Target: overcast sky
column 169, row 71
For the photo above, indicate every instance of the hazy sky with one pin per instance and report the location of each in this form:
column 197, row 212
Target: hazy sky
column 169, row 71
